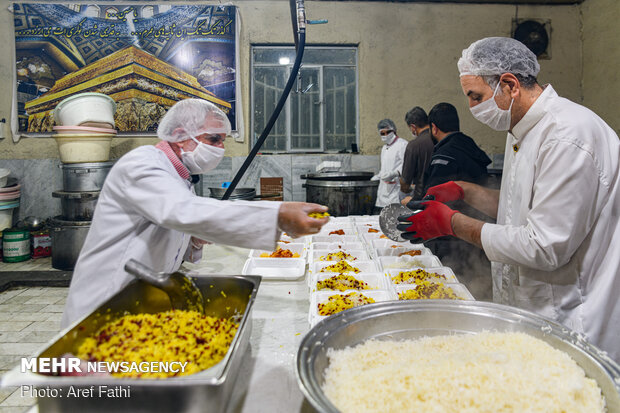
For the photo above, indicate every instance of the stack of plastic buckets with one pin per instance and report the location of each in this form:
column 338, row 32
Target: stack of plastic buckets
column 84, row 134
column 9, row 200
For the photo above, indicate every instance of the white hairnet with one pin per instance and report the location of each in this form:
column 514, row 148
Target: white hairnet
column 387, row 124
column 190, row 118
column 498, row 55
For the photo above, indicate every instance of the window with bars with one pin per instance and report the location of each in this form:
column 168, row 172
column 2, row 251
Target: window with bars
column 321, row 113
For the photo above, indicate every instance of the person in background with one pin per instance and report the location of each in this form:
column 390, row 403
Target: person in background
column 392, row 154
column 148, row 211
column 417, row 156
column 555, row 245
column 457, row 157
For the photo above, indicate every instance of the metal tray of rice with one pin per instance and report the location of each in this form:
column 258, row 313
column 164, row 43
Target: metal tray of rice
column 443, row 355
column 226, row 298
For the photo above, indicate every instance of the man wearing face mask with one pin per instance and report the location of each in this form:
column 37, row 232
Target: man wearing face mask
column 555, row 246
column 148, row 211
column 392, row 155
column 417, row 155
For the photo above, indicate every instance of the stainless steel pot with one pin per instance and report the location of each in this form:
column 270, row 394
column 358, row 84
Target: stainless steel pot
column 402, row 320
column 89, row 176
column 67, row 240
column 238, row 193
column 77, row 206
column 344, row 193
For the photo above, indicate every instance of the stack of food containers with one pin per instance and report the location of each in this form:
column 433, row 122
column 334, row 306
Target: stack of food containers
column 84, row 134
column 373, row 269
column 10, row 194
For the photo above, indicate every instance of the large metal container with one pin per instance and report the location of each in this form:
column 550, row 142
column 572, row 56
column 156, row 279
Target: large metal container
column 402, row 320
column 344, row 193
column 77, row 206
column 82, row 177
column 207, row 391
column 237, row 194
column 67, row 241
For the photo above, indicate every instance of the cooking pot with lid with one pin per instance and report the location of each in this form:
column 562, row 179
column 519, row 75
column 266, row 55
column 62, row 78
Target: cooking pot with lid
column 344, row 193
column 86, row 176
column 67, row 241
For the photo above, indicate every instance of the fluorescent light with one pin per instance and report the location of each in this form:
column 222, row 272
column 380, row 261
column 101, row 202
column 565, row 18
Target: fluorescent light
column 284, row 60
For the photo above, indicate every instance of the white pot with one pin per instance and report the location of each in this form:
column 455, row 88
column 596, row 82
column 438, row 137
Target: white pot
column 85, row 108
column 4, row 176
column 84, row 147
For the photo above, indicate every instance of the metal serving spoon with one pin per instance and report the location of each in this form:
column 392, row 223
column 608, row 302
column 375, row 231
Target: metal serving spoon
column 182, row 291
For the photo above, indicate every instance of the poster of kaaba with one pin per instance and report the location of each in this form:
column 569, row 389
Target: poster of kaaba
column 145, row 57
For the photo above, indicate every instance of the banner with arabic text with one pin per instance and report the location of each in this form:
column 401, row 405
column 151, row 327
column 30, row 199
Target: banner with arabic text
column 146, row 57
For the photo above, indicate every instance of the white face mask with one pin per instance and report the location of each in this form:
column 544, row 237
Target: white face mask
column 203, row 158
column 388, row 138
column 492, row 115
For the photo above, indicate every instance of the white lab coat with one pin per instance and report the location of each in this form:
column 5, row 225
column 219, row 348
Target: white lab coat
column 392, row 156
column 147, row 212
column 556, row 245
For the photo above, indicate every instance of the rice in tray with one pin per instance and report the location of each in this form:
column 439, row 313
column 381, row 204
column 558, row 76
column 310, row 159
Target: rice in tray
column 342, row 282
column 340, row 302
column 340, row 266
column 337, row 256
column 415, row 276
column 175, row 335
column 485, row 372
column 428, row 290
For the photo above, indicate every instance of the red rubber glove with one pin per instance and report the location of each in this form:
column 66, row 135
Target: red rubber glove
column 446, row 192
column 435, row 220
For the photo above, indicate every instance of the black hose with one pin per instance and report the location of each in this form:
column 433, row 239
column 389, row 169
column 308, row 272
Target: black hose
column 274, row 115
column 293, row 8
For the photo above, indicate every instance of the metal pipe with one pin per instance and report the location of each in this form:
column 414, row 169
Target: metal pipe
column 300, row 42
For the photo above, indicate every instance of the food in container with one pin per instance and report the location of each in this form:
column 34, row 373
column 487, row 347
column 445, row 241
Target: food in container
column 342, row 282
column 337, row 256
column 339, row 302
column 337, row 232
column 428, row 290
column 489, row 371
column 340, row 266
column 406, row 262
column 280, row 253
column 415, row 276
column 460, row 291
column 198, row 341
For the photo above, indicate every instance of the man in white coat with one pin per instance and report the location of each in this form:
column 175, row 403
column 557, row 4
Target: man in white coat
column 392, row 155
column 148, row 211
column 555, row 247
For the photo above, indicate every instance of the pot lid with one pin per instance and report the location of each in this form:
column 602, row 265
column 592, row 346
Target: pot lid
column 340, row 176
column 86, row 165
column 76, row 195
column 57, row 221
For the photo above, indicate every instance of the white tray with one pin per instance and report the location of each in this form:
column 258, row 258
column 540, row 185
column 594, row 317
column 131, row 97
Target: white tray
column 421, row 261
column 295, row 248
column 360, row 254
column 365, row 219
column 334, row 238
column 459, row 289
column 363, row 266
column 393, row 252
column 335, row 246
column 445, row 271
column 321, row 296
column 376, row 281
column 300, row 240
column 387, row 243
column 275, row 268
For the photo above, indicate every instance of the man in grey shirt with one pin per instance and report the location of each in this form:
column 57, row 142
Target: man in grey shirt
column 417, row 155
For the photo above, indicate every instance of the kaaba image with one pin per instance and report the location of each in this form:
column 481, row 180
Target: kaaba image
column 144, row 57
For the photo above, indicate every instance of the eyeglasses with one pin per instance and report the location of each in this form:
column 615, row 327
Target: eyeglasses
column 384, row 133
column 211, row 139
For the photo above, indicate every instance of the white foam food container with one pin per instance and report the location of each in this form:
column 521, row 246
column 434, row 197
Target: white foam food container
column 364, row 219
column 360, row 254
column 275, row 268
column 294, row 248
column 445, row 271
column 395, row 252
column 347, row 229
column 336, row 246
column 322, row 296
column 363, row 266
column 370, row 237
column 459, row 289
column 363, row 230
column 375, row 280
column 406, row 262
column 387, row 243
column 285, row 239
column 335, row 238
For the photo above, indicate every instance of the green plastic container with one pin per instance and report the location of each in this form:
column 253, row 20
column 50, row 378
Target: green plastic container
column 15, row 245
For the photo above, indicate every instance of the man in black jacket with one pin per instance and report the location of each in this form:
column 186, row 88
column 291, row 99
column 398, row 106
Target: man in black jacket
column 456, row 157
column 417, row 155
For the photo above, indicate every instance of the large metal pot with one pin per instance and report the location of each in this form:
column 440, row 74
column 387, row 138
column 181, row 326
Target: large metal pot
column 77, row 206
column 400, row 320
column 237, row 193
column 67, row 240
column 344, row 193
column 80, row 177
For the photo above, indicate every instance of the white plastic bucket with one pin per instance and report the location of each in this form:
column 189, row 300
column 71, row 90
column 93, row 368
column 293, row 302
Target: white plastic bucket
column 76, row 148
column 83, row 108
column 6, row 216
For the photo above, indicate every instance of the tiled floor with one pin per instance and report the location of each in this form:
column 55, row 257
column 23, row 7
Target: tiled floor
column 29, row 318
